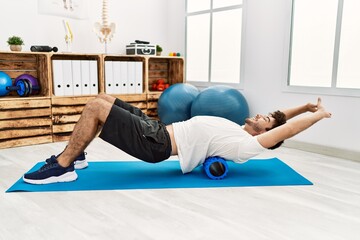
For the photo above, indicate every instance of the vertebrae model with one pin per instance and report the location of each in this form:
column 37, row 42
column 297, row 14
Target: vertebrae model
column 104, row 31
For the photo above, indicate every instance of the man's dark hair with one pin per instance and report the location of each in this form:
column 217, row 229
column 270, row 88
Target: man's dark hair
column 280, row 119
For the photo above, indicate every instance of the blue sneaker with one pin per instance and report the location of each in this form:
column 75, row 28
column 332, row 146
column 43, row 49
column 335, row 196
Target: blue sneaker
column 79, row 163
column 51, row 172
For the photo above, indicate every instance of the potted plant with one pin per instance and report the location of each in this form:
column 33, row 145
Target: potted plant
column 15, row 43
column 158, row 50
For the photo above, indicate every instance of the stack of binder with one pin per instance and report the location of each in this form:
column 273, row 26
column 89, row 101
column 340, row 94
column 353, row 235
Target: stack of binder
column 75, row 77
column 122, row 77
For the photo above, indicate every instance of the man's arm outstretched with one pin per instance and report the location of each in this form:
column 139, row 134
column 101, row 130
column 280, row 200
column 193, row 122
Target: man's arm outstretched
column 295, row 111
column 291, row 128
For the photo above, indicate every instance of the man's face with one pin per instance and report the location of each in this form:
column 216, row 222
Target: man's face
column 258, row 124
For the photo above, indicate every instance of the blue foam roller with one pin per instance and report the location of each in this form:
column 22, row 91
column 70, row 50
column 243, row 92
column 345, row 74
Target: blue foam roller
column 215, row 168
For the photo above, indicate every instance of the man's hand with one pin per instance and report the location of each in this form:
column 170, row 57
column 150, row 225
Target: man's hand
column 310, row 107
column 320, row 108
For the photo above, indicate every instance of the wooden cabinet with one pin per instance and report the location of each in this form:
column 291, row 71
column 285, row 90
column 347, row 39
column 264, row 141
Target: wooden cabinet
column 46, row 117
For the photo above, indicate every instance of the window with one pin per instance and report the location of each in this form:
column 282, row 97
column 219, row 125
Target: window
column 348, row 72
column 325, row 48
column 213, row 41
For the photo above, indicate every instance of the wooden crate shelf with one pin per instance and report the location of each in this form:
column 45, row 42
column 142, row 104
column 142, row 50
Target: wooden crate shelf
column 170, row 69
column 131, row 97
column 152, row 99
column 45, row 118
column 66, row 112
column 137, row 100
column 127, row 58
column 25, row 121
column 35, row 64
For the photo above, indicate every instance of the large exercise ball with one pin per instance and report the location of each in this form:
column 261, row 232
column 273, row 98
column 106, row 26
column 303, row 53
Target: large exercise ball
column 221, row 101
column 174, row 104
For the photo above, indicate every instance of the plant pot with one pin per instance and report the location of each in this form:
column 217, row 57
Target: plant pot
column 158, row 53
column 16, row 48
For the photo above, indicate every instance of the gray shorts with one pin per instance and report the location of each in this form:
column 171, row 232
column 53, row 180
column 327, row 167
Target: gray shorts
column 130, row 130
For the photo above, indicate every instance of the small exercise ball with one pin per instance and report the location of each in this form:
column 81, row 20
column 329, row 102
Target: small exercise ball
column 5, row 81
column 221, row 101
column 174, row 104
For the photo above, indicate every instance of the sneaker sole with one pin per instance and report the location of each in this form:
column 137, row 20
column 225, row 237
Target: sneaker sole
column 67, row 177
column 81, row 164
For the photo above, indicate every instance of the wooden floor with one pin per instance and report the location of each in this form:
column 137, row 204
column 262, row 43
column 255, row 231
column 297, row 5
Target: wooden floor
column 330, row 209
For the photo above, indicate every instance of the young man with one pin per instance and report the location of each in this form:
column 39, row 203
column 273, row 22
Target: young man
column 129, row 129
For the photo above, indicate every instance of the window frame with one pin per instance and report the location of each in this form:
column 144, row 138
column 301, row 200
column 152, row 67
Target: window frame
column 240, row 83
column 333, row 89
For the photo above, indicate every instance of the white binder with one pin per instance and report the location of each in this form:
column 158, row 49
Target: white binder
column 58, row 77
column 109, row 82
column 131, row 77
column 76, row 77
column 123, row 77
column 94, row 80
column 138, row 77
column 85, row 77
column 67, row 78
column 116, row 77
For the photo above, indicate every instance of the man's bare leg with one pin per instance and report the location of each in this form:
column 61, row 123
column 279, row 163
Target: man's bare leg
column 106, row 97
column 92, row 119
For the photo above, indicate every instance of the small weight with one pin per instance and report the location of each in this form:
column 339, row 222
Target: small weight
column 27, row 88
column 21, row 88
column 31, row 85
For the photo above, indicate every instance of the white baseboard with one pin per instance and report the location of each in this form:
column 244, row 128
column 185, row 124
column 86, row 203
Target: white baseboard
column 325, row 150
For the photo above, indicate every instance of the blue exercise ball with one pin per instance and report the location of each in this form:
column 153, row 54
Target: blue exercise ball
column 5, row 81
column 174, row 104
column 221, row 101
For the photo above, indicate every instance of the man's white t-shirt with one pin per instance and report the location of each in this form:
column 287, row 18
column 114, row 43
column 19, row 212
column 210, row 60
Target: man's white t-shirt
column 205, row 136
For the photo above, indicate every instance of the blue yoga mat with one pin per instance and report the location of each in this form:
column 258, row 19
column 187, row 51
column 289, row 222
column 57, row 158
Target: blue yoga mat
column 140, row 175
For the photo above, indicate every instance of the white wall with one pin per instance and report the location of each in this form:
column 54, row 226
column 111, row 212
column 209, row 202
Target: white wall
column 156, row 21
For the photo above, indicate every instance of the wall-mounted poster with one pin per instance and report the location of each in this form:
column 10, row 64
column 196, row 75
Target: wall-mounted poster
column 65, row 8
